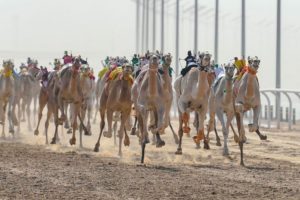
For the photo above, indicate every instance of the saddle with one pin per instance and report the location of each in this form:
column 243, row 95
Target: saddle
column 185, row 70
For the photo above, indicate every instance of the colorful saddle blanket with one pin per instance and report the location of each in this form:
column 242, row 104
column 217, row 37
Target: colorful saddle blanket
column 118, row 74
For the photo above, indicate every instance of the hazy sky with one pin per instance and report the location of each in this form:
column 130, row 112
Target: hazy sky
column 43, row 29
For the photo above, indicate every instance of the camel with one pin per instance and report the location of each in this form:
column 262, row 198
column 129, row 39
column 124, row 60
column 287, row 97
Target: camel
column 69, row 91
column 6, row 95
column 26, row 95
column 87, row 83
column 34, row 71
column 247, row 97
column 43, row 95
column 220, row 102
column 148, row 95
column 168, row 91
column 116, row 97
column 192, row 93
column 99, row 88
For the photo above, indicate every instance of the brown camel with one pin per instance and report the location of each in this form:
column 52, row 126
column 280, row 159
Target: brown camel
column 69, row 91
column 116, row 97
column 6, row 95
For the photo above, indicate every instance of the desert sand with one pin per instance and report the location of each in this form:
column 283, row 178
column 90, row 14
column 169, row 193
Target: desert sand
column 29, row 169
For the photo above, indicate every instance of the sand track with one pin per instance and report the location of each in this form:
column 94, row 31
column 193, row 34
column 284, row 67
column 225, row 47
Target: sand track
column 31, row 170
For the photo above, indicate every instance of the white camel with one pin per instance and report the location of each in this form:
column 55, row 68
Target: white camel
column 247, row 97
column 192, row 91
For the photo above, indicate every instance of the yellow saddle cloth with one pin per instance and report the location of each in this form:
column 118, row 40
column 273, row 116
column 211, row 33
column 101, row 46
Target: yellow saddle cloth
column 102, row 72
column 117, row 74
column 6, row 73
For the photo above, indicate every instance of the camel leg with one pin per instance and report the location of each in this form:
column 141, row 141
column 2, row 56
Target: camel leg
column 200, row 135
column 42, row 103
column 89, row 115
column 235, row 136
column 185, row 119
column 19, row 118
column 49, row 113
column 145, row 137
column 124, row 117
column 229, row 117
column 242, row 138
column 2, row 119
column 10, row 115
column 180, row 133
column 102, row 124
column 23, row 110
column 174, row 134
column 34, row 109
column 62, row 110
column 108, row 133
column 29, row 116
column 254, row 127
column 115, row 128
column 134, row 126
column 74, row 124
column 224, row 130
column 160, row 126
column 96, row 109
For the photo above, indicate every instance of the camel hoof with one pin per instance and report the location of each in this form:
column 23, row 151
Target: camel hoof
column 12, row 131
column 133, row 131
column 53, row 141
column 107, row 134
column 263, row 137
column 72, row 141
column 242, row 164
column 178, row 152
column 69, row 131
column 36, row 132
column 219, row 143
column 198, row 146
column 87, row 133
column 96, row 149
column 126, row 141
column 206, row 144
column 66, row 126
column 160, row 144
column 225, row 153
column 146, row 141
column 236, row 139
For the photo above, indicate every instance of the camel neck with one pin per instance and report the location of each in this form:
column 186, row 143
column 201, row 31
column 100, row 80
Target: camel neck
column 166, row 76
column 152, row 81
column 250, row 85
column 202, row 84
column 228, row 89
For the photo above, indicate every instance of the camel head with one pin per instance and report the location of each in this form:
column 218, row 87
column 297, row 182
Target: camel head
column 253, row 64
column 229, row 70
column 153, row 62
column 42, row 74
column 76, row 64
column 205, row 61
column 167, row 60
column 127, row 70
column 8, row 64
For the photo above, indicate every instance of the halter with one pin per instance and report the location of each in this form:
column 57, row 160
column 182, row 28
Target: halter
column 251, row 71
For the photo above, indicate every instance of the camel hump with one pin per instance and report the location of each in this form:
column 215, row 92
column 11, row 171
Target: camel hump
column 62, row 71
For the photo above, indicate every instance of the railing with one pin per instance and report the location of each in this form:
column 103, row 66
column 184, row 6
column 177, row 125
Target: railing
column 267, row 94
column 278, row 93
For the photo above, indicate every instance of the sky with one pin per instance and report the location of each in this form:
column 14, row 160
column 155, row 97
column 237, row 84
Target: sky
column 44, row 29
